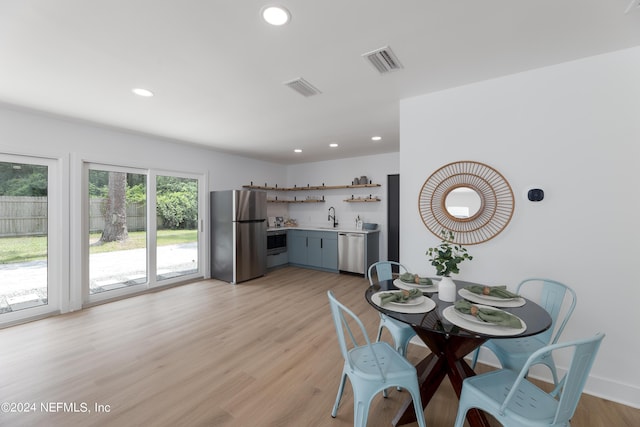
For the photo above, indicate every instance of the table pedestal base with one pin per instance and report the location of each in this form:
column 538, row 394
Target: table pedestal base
column 446, row 359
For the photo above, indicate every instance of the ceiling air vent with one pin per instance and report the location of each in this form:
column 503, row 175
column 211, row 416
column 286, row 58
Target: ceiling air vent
column 303, row 87
column 384, row 60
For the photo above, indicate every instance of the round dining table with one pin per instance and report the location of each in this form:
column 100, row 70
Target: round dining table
column 450, row 343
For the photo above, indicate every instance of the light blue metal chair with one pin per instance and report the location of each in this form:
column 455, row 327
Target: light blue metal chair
column 514, row 401
column 400, row 332
column 371, row 367
column 514, row 352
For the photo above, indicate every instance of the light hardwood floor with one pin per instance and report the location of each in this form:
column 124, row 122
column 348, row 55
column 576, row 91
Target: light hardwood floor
column 262, row 353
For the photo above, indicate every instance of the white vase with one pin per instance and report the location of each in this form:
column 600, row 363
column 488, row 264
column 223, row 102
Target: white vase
column 447, row 289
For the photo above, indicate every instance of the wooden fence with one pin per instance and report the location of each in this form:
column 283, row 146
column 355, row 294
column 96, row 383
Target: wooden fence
column 136, row 216
column 27, row 216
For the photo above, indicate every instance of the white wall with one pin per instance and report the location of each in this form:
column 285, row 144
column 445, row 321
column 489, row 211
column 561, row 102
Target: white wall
column 572, row 130
column 31, row 133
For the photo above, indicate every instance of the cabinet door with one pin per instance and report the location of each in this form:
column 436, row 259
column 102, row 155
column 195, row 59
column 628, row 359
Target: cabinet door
column 314, row 248
column 330, row 251
column 297, row 247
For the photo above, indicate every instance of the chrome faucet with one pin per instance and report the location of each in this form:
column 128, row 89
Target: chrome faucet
column 333, row 217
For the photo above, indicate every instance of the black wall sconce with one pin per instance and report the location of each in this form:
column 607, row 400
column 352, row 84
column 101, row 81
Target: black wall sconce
column 535, row 195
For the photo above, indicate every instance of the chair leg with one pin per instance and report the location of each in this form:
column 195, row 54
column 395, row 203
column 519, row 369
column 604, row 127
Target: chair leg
column 552, row 367
column 474, row 360
column 360, row 409
column 417, row 405
column 402, row 349
column 343, row 381
column 380, row 327
column 462, row 415
column 379, row 332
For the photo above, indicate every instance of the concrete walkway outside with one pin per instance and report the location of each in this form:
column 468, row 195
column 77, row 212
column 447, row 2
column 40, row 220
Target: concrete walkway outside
column 23, row 285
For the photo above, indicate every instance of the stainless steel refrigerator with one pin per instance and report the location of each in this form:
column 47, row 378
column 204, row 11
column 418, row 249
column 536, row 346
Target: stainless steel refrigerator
column 238, row 235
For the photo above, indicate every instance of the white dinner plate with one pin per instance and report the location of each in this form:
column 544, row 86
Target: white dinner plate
column 413, row 301
column 417, row 285
column 426, row 304
column 492, row 298
column 475, row 319
column 493, row 301
column 408, row 286
column 469, row 318
column 452, row 315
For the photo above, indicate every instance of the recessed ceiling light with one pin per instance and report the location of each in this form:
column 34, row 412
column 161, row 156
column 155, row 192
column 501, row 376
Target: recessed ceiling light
column 333, row 145
column 142, row 92
column 276, row 15
column 376, row 138
column 297, row 150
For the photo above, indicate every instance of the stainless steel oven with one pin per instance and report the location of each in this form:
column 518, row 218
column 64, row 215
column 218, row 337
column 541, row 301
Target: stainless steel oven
column 276, row 242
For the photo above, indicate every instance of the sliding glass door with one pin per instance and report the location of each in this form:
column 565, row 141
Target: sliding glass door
column 117, row 229
column 27, row 209
column 143, row 229
column 177, row 226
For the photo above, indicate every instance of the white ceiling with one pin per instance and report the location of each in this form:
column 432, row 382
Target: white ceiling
column 218, row 71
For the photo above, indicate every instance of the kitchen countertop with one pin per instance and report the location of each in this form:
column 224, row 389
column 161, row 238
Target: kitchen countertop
column 320, row 228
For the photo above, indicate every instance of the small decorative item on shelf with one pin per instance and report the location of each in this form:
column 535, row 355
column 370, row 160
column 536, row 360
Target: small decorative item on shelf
column 445, row 258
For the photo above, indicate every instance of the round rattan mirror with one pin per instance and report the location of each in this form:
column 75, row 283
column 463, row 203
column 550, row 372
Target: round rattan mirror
column 471, row 199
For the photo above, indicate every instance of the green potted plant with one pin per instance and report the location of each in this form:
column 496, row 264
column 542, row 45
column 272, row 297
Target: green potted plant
column 445, row 258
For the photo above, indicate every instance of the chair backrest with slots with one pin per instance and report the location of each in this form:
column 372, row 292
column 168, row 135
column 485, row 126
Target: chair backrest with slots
column 384, row 270
column 552, row 297
column 343, row 318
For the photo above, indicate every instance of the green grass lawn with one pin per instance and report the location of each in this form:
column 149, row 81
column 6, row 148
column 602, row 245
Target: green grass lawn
column 31, row 248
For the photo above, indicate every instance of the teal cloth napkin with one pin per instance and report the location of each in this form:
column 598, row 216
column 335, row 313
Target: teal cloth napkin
column 414, row 278
column 400, row 296
column 493, row 291
column 496, row 317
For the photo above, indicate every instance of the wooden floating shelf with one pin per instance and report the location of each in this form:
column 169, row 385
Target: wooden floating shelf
column 294, row 201
column 315, row 187
column 361, row 200
column 261, row 187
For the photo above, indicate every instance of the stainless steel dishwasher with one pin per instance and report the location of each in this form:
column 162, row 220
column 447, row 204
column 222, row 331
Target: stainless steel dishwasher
column 351, row 252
